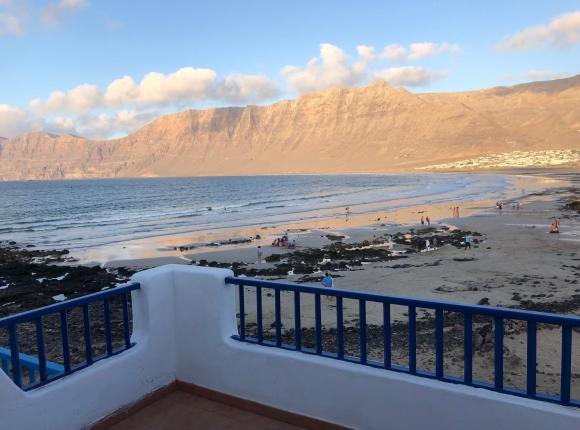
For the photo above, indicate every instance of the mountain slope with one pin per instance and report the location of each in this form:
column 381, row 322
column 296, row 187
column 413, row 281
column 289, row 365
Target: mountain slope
column 362, row 129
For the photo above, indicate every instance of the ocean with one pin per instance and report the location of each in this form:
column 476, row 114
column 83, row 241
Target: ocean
column 82, row 214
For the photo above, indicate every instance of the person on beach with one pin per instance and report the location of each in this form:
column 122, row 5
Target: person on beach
column 427, row 245
column 327, row 281
column 467, row 241
column 428, row 220
column 422, row 220
column 435, row 243
column 347, row 213
column 260, row 253
column 555, row 227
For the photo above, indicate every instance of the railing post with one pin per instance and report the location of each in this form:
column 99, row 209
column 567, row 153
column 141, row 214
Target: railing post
column 297, row 321
column 126, row 330
column 566, row 372
column 242, row 312
column 15, row 355
column 87, row 334
column 412, row 339
column 531, row 358
column 65, row 343
column 387, row 335
column 467, row 349
column 259, row 318
column 439, row 342
column 278, row 311
column 498, row 354
column 362, row 330
column 108, row 336
column 318, row 323
column 339, row 329
column 40, row 348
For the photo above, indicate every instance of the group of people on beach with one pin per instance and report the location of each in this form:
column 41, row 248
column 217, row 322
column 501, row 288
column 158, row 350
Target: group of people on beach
column 455, row 211
column 555, row 226
column 426, row 220
column 284, row 242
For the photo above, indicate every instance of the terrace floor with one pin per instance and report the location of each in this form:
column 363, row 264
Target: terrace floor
column 180, row 410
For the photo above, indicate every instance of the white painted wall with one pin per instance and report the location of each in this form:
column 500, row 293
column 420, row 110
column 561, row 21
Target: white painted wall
column 194, row 305
column 87, row 396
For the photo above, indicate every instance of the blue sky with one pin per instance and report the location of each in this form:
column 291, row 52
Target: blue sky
column 238, row 52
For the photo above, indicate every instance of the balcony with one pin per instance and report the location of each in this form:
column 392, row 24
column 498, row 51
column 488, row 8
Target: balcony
column 180, row 352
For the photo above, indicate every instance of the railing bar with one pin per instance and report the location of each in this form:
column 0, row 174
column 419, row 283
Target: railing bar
column 498, row 354
column 40, row 348
column 362, row 330
column 15, row 356
column 108, row 337
column 531, row 358
column 387, row 335
column 412, row 339
column 259, row 319
column 525, row 315
column 467, row 349
column 439, row 343
column 278, row 311
column 318, row 323
column 297, row 321
column 339, row 329
column 66, row 305
column 87, row 334
column 242, row 312
column 566, row 371
column 126, row 328
column 65, row 342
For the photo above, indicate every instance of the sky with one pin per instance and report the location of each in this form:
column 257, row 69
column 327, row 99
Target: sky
column 104, row 68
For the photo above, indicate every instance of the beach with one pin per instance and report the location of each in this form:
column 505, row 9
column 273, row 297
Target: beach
column 513, row 262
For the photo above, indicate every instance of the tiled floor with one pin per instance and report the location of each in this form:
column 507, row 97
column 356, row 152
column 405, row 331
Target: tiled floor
column 179, row 411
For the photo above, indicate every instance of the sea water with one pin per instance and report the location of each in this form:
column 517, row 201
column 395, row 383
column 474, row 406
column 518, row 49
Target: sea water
column 81, row 214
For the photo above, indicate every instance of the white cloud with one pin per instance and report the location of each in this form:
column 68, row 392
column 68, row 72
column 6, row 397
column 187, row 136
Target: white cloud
column 103, row 125
column 80, row 99
column 53, row 13
column 246, row 88
column 332, row 69
column 184, row 87
column 394, row 53
column 417, row 51
column 562, row 31
column 14, row 121
column 429, row 49
column 535, row 75
column 410, row 76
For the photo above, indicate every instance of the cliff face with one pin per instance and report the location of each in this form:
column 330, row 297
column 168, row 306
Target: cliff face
column 365, row 129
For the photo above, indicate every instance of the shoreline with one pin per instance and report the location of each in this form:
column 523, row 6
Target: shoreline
column 402, row 211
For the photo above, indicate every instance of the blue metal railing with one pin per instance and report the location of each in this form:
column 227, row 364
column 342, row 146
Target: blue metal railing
column 39, row 370
column 468, row 312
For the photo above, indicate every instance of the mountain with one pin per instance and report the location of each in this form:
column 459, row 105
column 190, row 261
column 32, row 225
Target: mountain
column 375, row 128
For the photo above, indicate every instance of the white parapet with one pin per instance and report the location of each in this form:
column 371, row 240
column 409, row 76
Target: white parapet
column 184, row 318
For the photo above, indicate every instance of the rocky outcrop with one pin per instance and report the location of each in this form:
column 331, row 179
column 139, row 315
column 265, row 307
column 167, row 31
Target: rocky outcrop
column 363, row 129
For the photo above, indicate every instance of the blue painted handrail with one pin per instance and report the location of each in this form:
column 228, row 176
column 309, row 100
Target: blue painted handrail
column 566, row 322
column 13, row 361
